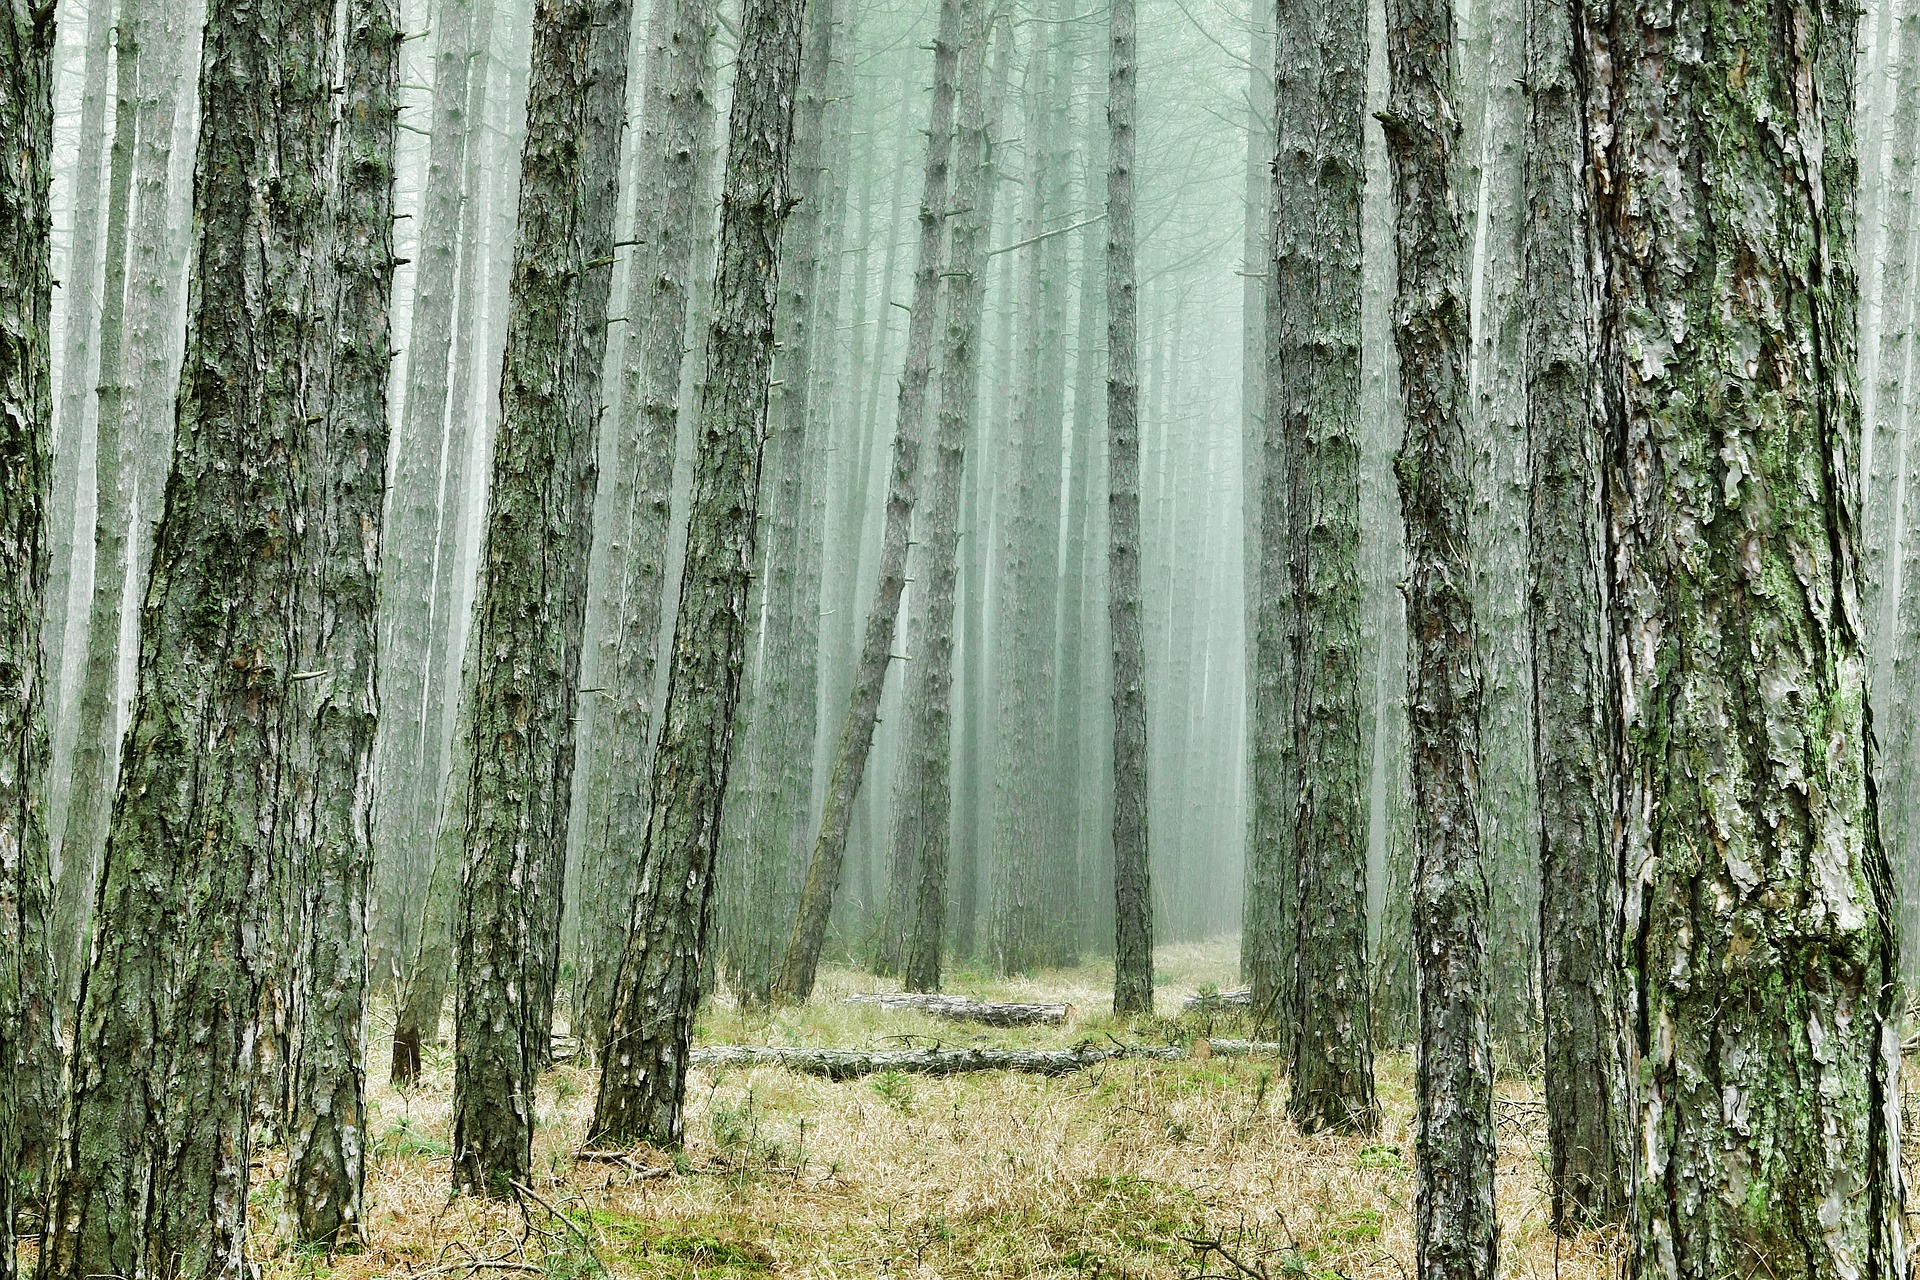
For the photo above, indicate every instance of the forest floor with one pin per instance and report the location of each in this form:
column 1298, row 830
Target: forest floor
column 1113, row 1171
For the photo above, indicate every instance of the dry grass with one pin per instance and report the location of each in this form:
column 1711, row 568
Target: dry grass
column 1111, row 1172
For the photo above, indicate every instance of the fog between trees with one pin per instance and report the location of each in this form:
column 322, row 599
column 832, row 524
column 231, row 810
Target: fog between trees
column 528, row 516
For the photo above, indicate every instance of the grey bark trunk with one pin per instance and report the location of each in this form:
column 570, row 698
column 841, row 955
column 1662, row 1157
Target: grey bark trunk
column 1133, row 897
column 922, row 797
column 644, row 1063
column 335, row 698
column 1758, row 880
column 797, row 967
column 1587, row 1074
column 1455, row 1233
column 1320, row 92
column 29, row 1059
column 194, row 843
column 530, row 611
column 668, row 196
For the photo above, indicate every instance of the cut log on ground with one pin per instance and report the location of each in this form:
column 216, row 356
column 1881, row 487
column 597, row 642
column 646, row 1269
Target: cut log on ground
column 1238, row 1000
column 850, row 1064
column 994, row 1013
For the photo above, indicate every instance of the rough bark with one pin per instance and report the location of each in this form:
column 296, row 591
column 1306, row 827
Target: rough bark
column 668, row 193
column 1759, row 907
column 809, row 935
column 152, row 1176
column 1314, row 411
column 29, row 1064
column 1455, row 1233
column 530, row 611
column 335, row 698
column 923, row 794
column 1587, row 1081
column 994, row 1013
column 644, row 1062
column 1133, row 897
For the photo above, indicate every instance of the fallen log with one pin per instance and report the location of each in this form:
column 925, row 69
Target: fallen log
column 993, row 1013
column 1238, row 1000
column 850, row 1064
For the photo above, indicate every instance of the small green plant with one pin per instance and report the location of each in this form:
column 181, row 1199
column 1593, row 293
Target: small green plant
column 1381, row 1155
column 407, row 1139
column 895, row 1090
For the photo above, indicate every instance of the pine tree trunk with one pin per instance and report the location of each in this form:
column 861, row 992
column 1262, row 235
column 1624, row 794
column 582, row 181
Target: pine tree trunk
column 1133, row 898
column 668, row 197
column 29, row 1060
column 190, row 867
column 922, row 796
column 1759, row 908
column 795, row 980
column 1320, row 94
column 1587, row 1081
column 336, row 701
column 643, row 1075
column 426, row 457
column 1455, row 1234
column 530, row 611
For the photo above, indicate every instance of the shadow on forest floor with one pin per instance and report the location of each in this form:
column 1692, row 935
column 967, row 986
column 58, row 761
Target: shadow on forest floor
column 1115, row 1171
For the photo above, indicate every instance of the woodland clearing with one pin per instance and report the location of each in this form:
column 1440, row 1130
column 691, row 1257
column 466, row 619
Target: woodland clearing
column 1127, row 1169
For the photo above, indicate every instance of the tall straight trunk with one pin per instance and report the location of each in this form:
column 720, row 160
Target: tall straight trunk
column 795, row 980
column 1760, row 912
column 1133, row 896
column 781, row 758
column 423, row 960
column 195, row 842
column 29, row 1060
column 336, row 701
column 1454, row 1229
column 530, row 611
column 1255, row 231
column 922, row 796
column 1587, row 1082
column 427, row 453
column 643, row 1075
column 668, row 196
column 1320, row 100
column 81, row 284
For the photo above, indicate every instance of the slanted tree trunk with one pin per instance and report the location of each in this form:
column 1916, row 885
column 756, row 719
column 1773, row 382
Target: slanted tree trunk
column 29, row 1060
column 1587, row 1083
column 1454, row 1229
column 1133, row 897
column 1320, row 99
column 668, row 195
column 643, row 1076
column 335, row 697
column 922, row 791
column 1759, row 910
column 530, row 611
column 809, row 935
column 153, row 1174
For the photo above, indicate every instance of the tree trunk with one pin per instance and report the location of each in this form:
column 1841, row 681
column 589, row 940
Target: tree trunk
column 530, row 612
column 336, row 700
column 29, row 1058
column 1133, row 897
column 668, row 197
column 1587, row 1080
column 1455, row 1234
column 1759, row 911
column 809, row 936
column 922, row 795
column 1320, row 93
column 643, row 1074
column 190, row 865
column 426, row 457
